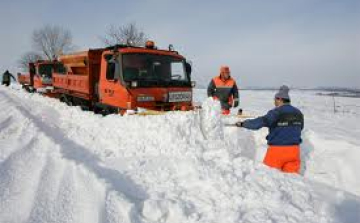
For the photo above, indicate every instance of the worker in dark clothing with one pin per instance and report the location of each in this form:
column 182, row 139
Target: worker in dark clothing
column 285, row 123
column 6, row 79
column 224, row 89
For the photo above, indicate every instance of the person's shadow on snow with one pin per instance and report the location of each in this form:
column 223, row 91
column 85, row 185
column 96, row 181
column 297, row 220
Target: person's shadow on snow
column 348, row 211
column 244, row 145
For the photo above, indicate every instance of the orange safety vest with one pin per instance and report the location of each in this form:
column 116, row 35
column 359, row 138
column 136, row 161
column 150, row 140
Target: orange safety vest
column 224, row 87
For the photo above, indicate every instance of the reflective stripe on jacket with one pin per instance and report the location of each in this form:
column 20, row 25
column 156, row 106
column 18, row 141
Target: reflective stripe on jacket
column 225, row 91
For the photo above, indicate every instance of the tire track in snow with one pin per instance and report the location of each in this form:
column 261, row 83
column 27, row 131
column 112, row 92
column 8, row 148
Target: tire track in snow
column 72, row 151
column 14, row 134
column 22, row 167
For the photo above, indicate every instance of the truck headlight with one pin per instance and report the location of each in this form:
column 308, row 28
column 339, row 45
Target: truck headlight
column 134, row 84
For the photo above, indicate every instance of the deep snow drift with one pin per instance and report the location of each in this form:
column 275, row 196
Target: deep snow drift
column 61, row 164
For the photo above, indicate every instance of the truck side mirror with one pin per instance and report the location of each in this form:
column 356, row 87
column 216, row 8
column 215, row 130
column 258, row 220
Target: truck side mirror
column 108, row 57
column 188, row 68
column 32, row 68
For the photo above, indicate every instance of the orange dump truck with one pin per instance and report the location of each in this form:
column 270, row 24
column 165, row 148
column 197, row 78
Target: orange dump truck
column 125, row 78
column 39, row 78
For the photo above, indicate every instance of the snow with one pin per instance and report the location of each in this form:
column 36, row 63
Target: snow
column 210, row 120
column 61, row 164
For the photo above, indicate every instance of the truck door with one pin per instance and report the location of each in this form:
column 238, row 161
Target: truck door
column 112, row 93
column 32, row 71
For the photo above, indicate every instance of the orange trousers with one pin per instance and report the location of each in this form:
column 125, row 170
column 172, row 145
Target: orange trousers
column 284, row 158
column 225, row 112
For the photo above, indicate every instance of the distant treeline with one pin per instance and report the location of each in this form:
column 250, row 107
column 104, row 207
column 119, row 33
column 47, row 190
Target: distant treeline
column 330, row 90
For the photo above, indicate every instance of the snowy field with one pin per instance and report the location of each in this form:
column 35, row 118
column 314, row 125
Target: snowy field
column 61, row 164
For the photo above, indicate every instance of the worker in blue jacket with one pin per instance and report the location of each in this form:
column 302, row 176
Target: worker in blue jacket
column 285, row 123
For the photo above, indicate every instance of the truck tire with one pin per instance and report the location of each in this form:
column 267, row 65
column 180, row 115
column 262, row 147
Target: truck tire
column 27, row 89
column 67, row 100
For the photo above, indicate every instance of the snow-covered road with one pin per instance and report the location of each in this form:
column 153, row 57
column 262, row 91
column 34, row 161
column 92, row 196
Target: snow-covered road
column 61, row 164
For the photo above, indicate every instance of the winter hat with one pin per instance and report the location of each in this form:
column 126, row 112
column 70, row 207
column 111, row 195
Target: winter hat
column 283, row 92
column 224, row 69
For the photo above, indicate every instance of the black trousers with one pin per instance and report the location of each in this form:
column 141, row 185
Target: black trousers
column 6, row 83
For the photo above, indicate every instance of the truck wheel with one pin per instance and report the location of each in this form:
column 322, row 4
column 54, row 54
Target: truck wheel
column 61, row 99
column 66, row 100
column 122, row 112
column 96, row 110
column 27, row 89
column 69, row 102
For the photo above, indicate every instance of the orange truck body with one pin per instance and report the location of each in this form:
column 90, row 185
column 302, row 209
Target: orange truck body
column 39, row 78
column 24, row 79
column 114, row 80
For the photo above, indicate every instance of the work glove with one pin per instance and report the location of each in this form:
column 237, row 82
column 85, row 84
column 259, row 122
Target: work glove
column 239, row 124
column 236, row 103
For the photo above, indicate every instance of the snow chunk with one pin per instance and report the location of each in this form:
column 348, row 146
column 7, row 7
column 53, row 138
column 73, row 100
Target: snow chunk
column 210, row 119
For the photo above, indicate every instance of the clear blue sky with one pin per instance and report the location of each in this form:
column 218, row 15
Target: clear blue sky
column 266, row 43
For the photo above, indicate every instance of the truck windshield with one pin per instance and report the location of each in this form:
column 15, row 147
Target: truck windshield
column 47, row 69
column 154, row 70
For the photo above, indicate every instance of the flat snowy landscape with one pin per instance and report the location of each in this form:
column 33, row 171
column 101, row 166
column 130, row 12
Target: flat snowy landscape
column 61, row 164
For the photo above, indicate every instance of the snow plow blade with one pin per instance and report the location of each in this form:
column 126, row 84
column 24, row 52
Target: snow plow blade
column 151, row 112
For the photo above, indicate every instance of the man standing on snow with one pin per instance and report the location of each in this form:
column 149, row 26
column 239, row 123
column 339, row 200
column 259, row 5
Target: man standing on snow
column 6, row 79
column 224, row 89
column 285, row 124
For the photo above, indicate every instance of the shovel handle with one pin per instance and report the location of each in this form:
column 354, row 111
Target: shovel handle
column 230, row 125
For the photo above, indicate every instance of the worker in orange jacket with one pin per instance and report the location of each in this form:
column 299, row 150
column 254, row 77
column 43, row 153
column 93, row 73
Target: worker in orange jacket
column 224, row 89
column 285, row 123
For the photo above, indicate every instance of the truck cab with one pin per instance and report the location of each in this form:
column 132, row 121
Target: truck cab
column 135, row 78
column 39, row 78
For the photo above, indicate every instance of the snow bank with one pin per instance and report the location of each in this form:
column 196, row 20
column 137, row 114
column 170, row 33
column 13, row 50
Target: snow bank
column 60, row 164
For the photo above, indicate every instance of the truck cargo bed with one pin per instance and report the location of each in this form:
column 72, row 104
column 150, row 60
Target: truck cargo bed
column 83, row 72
